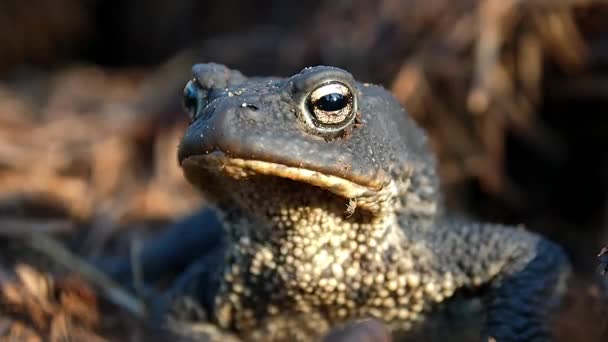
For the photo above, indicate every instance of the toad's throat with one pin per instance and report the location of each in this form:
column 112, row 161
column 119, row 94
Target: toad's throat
column 365, row 197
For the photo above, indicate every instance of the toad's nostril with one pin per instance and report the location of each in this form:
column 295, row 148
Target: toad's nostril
column 249, row 106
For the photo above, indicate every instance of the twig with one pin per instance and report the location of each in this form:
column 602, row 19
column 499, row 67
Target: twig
column 14, row 226
column 58, row 253
column 136, row 263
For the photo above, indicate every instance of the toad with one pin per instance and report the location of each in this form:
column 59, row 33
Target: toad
column 331, row 211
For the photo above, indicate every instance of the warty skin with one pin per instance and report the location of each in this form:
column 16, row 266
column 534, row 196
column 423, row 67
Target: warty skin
column 331, row 211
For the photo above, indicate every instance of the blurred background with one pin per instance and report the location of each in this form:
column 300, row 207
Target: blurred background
column 514, row 95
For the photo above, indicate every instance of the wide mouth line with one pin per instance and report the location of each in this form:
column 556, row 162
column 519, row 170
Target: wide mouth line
column 243, row 168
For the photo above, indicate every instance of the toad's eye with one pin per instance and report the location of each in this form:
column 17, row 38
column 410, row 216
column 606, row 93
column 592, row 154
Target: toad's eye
column 331, row 105
column 192, row 98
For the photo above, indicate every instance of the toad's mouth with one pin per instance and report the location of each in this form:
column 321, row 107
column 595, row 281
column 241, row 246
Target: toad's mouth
column 239, row 168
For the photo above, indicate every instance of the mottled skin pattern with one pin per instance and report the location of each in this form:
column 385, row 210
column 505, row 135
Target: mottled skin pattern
column 325, row 225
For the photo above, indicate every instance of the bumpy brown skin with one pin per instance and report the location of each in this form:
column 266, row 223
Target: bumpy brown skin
column 327, row 224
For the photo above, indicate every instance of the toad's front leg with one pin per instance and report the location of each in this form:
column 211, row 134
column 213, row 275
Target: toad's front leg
column 524, row 273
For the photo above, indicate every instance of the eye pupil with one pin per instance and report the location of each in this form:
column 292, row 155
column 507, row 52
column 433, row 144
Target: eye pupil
column 332, row 102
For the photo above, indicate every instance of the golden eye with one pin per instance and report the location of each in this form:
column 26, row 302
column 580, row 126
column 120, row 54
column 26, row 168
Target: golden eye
column 331, row 104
